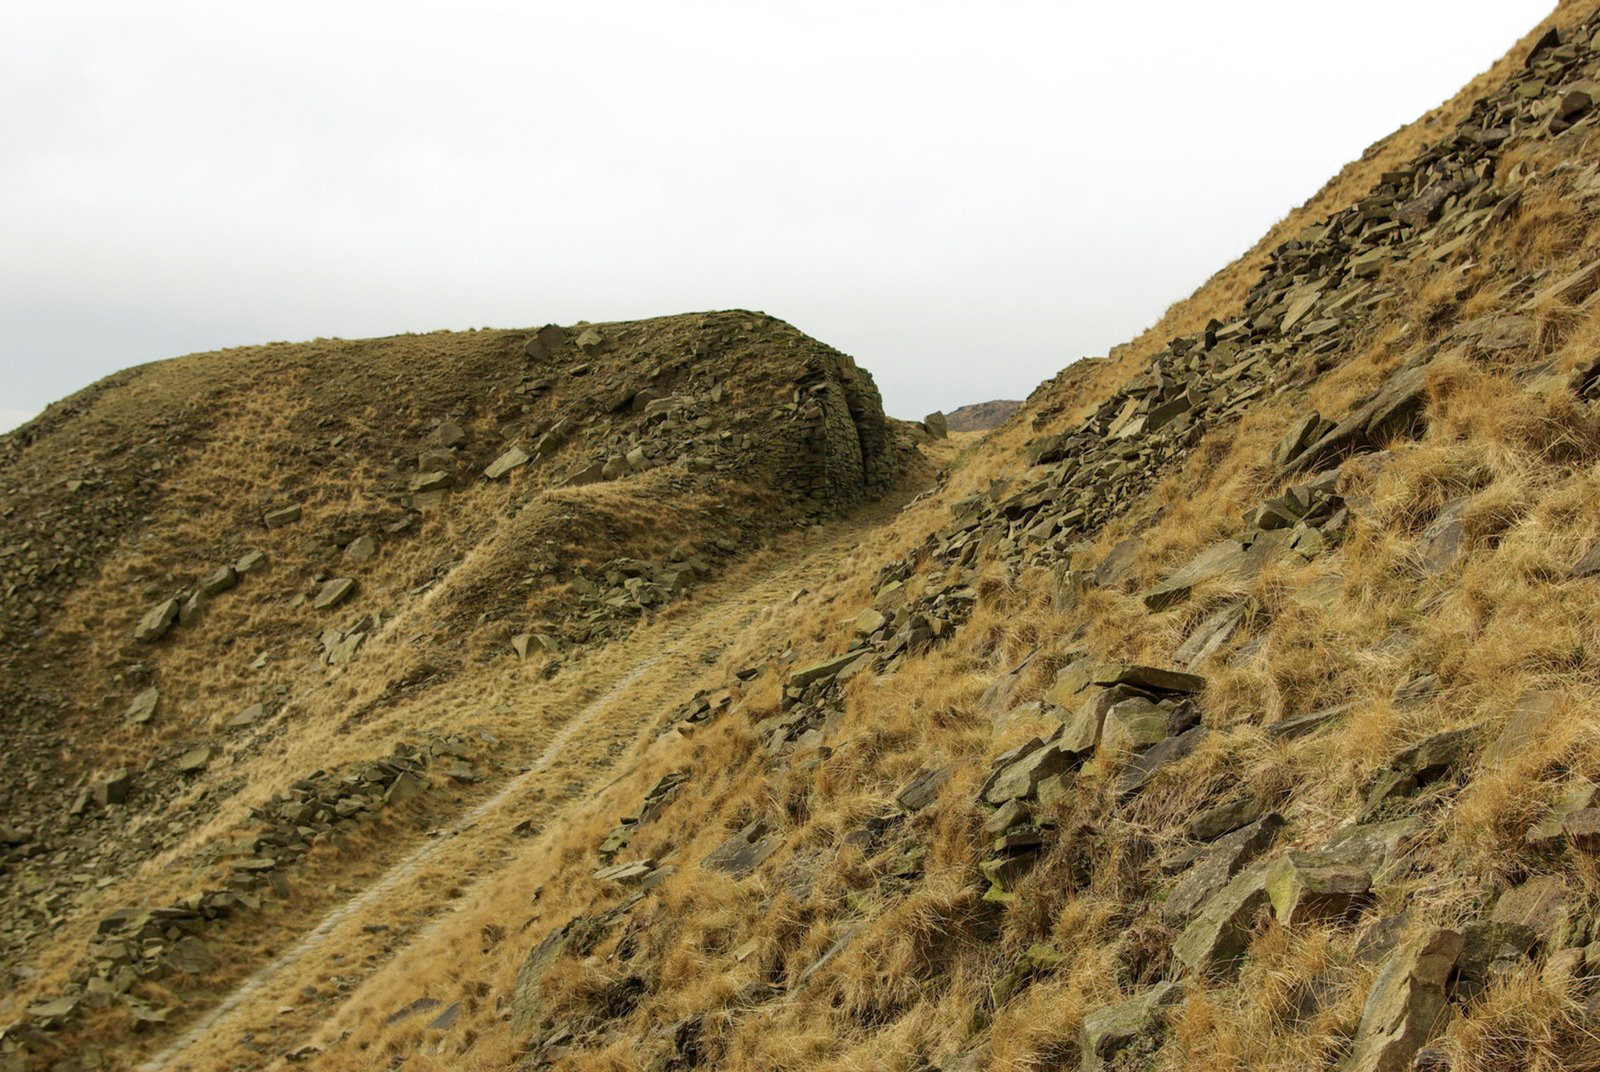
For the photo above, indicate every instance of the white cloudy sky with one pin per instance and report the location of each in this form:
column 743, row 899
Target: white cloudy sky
column 964, row 196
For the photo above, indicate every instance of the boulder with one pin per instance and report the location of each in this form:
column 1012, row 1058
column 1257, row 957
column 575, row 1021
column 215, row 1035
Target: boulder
column 143, row 707
column 250, row 562
column 1395, row 410
column 936, row 425
column 822, row 670
column 156, row 621
column 1429, row 760
column 1018, row 779
column 113, row 788
column 191, row 956
column 192, row 608
column 1582, row 829
column 923, row 789
column 1084, row 673
column 334, row 592
column 1216, row 940
column 1441, row 542
column 527, row 995
column 742, row 853
column 592, row 473
column 1407, row 1004
column 1370, row 846
column 1300, row 725
column 1134, row 724
column 1037, row 959
column 1587, row 566
column 1136, row 1024
column 1152, row 678
column 1576, row 101
column 1224, row 559
column 1211, row 634
column 629, row 873
column 436, row 458
column 544, row 342
column 869, row 621
column 1544, row 905
column 1301, row 434
column 1226, row 818
column 1531, row 721
column 360, row 550
column 1305, row 888
column 1118, row 561
column 437, row 480
column 219, row 580
column 448, row 434
column 1550, row 831
column 1215, row 867
column 277, row 519
column 249, row 716
column 195, row 760
column 1144, row 767
column 512, row 458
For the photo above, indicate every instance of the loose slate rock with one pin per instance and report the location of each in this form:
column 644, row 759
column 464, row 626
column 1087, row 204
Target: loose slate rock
column 1217, row 939
column 1530, row 723
column 1300, row 725
column 1305, row 888
column 1145, row 766
column 512, row 458
column 156, row 621
column 1110, row 1031
column 143, row 707
column 361, row 549
column 742, row 853
column 923, row 789
column 1019, row 779
column 195, row 759
column 334, row 592
column 1217, row 865
column 219, row 580
column 1406, row 1005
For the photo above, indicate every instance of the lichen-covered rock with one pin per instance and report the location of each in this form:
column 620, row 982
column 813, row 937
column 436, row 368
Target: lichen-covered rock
column 1305, row 888
column 1110, row 1033
column 1217, row 939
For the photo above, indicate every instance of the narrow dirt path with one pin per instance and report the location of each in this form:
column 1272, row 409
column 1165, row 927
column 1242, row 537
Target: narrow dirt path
column 268, row 1014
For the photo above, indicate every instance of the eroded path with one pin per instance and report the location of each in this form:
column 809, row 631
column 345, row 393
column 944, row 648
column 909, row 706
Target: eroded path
column 635, row 683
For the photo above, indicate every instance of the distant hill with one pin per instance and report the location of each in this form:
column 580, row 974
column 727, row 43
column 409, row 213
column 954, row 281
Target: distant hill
column 981, row 416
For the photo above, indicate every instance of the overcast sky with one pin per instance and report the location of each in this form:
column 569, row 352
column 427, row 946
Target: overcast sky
column 966, row 197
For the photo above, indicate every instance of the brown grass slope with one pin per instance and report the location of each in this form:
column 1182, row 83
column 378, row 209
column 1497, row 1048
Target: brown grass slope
column 133, row 490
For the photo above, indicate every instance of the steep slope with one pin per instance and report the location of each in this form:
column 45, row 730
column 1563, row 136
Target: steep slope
column 1221, row 727
column 1231, row 707
column 261, row 597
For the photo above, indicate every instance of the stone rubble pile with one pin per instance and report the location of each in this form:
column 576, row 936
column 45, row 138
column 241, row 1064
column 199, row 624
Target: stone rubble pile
column 138, row 944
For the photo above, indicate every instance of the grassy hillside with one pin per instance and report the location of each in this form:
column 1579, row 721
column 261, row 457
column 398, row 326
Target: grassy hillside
column 1228, row 707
